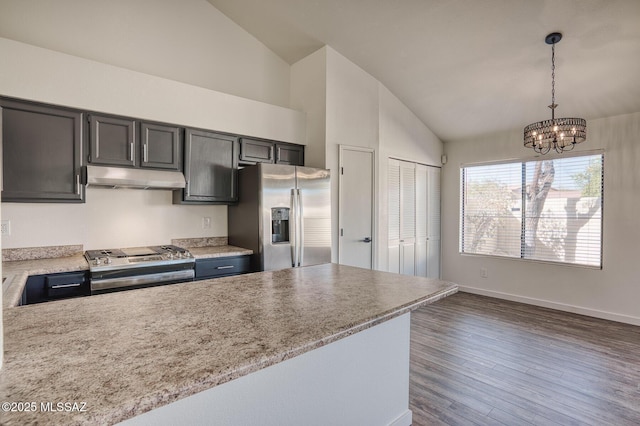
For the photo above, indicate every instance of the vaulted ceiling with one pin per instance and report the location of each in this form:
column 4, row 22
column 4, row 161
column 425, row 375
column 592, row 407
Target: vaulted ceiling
column 468, row 67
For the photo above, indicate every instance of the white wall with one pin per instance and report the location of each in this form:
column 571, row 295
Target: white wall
column 309, row 94
column 402, row 136
column 149, row 217
column 352, row 119
column 110, row 218
column 358, row 111
column 188, row 41
column 612, row 292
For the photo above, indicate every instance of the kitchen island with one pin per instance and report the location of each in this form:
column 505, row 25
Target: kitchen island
column 115, row 356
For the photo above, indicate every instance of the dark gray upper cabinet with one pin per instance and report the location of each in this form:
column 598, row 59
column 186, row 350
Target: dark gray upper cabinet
column 290, row 154
column 253, row 150
column 264, row 151
column 160, row 146
column 41, row 153
column 210, row 168
column 112, row 140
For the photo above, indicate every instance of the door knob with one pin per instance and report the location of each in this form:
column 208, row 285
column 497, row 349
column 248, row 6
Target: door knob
column 367, row 240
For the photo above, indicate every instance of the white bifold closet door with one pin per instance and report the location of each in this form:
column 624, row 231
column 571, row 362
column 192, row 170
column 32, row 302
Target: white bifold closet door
column 414, row 219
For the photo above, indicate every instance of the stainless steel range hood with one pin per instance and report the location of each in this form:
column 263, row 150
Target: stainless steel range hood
column 121, row 177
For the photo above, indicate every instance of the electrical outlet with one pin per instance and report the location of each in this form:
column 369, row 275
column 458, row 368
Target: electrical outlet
column 484, row 273
column 206, row 223
column 5, row 227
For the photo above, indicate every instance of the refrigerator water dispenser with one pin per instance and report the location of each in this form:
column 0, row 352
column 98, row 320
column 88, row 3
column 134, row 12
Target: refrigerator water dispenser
column 280, row 225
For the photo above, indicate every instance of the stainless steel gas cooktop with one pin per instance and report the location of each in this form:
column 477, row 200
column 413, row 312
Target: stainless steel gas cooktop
column 138, row 266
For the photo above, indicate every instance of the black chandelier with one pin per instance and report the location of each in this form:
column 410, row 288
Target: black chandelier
column 561, row 134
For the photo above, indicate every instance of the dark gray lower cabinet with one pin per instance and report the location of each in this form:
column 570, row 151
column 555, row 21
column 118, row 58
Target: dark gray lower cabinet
column 41, row 153
column 222, row 267
column 210, row 168
column 45, row 288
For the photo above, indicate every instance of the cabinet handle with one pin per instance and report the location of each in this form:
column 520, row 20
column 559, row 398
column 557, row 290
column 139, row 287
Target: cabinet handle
column 225, row 267
column 145, row 153
column 66, row 285
column 271, row 154
column 131, row 151
column 187, row 189
column 278, row 154
column 78, row 184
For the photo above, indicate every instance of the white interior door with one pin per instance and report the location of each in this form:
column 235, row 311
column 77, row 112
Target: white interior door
column 433, row 224
column 356, row 207
column 421, row 220
column 407, row 218
column 393, row 185
column 414, row 219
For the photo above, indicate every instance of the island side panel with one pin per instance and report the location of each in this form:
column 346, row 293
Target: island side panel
column 361, row 379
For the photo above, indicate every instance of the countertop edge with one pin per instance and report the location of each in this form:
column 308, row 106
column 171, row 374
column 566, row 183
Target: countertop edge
column 216, row 252
column 159, row 399
column 12, row 289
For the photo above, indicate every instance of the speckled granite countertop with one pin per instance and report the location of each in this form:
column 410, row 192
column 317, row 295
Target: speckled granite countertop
column 16, row 272
column 129, row 352
column 218, row 251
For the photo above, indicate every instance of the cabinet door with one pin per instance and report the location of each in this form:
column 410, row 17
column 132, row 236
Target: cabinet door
column 222, row 267
column 290, row 154
column 44, row 288
column 42, row 153
column 160, row 146
column 112, row 141
column 253, row 150
column 211, row 167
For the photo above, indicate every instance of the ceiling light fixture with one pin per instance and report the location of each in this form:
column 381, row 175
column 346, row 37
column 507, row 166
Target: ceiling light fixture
column 561, row 134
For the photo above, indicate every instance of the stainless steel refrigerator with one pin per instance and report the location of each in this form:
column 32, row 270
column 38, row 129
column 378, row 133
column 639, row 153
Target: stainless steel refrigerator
column 283, row 214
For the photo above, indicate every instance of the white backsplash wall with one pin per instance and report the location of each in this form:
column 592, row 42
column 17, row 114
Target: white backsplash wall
column 110, row 218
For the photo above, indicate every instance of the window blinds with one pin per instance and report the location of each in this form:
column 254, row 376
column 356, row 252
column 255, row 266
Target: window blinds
column 548, row 210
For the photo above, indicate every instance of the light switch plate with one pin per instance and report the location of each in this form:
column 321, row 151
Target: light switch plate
column 206, row 223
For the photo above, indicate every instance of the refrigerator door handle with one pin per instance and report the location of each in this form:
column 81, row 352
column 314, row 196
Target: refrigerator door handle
column 294, row 229
column 300, row 230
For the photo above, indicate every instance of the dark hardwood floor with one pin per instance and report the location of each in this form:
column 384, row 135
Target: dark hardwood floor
column 481, row 361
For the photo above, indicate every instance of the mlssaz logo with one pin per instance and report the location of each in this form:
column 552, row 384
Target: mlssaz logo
column 78, row 407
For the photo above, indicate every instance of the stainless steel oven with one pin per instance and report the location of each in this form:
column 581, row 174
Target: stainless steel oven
column 135, row 267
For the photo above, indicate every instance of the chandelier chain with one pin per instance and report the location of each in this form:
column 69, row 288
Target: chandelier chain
column 553, row 79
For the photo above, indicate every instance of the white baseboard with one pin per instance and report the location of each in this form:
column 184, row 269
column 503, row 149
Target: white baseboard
column 627, row 319
column 404, row 420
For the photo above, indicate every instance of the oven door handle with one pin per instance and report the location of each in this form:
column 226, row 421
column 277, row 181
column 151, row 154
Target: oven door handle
column 161, row 277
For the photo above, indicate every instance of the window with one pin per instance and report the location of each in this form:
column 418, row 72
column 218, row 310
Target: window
column 549, row 210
